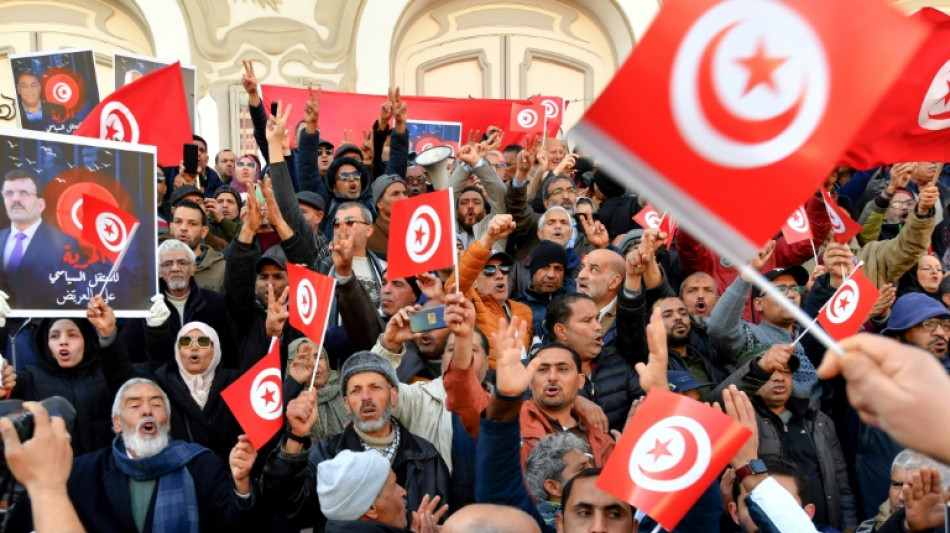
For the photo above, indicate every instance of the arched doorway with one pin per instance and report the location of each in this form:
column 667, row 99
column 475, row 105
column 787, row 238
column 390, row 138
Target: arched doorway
column 462, row 48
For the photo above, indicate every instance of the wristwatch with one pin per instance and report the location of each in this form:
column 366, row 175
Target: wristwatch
column 755, row 466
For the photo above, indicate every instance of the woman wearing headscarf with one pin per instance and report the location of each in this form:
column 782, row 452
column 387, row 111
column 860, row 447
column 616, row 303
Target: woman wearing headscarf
column 68, row 356
column 924, row 277
column 193, row 381
column 247, row 172
column 331, row 417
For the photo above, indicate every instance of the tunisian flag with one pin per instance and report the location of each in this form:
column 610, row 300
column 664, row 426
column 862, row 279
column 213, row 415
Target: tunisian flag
column 757, row 97
column 842, row 227
column 843, row 315
column 255, row 398
column 912, row 123
column 421, row 235
column 797, row 228
column 527, row 118
column 649, row 218
column 669, row 453
column 107, row 227
column 310, row 297
column 150, row 110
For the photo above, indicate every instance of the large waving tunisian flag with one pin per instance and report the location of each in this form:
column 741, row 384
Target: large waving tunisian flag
column 150, row 110
column 669, row 453
column 730, row 113
column 421, row 235
column 255, row 398
column 912, row 123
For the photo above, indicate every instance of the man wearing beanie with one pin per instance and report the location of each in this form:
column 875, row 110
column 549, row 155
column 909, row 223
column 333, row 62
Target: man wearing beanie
column 918, row 320
column 548, row 263
column 358, row 492
column 387, row 189
column 370, row 391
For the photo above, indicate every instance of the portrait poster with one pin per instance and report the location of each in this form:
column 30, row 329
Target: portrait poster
column 54, row 90
column 424, row 134
column 130, row 67
column 56, row 271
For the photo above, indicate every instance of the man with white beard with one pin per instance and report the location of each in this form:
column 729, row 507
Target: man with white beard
column 178, row 486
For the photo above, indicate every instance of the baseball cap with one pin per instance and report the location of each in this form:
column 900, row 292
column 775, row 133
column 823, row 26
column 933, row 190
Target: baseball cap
column 798, row 272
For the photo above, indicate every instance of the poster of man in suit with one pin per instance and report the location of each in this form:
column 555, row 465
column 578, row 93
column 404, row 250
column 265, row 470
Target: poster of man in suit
column 46, row 267
column 55, row 90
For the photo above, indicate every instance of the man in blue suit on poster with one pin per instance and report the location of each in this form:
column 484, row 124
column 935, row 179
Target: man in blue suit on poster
column 31, row 250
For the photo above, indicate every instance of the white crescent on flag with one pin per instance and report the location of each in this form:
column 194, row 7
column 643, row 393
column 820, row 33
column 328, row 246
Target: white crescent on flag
column 424, row 235
column 799, row 220
column 306, row 301
column 842, row 305
column 265, row 394
column 670, row 455
column 112, row 231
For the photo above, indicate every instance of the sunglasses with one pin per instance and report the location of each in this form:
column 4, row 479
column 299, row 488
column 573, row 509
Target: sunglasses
column 202, row 341
column 325, row 151
column 491, row 269
column 349, row 221
column 348, row 176
column 248, row 164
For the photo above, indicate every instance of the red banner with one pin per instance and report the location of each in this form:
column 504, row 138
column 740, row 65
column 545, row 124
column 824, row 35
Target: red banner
column 353, row 111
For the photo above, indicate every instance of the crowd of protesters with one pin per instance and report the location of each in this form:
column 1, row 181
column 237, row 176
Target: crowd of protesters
column 561, row 315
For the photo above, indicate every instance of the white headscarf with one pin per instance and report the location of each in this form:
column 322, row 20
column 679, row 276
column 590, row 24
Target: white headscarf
column 199, row 385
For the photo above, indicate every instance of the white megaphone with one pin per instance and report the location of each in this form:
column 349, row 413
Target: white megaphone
column 433, row 160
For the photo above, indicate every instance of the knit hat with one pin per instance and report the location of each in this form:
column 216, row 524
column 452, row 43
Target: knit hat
column 545, row 253
column 312, row 199
column 607, row 184
column 366, row 361
column 912, row 309
column 383, row 182
column 347, row 160
column 349, row 483
column 227, row 189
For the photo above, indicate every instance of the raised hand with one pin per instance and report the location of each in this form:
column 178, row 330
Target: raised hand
column 341, row 250
column 277, row 312
column 311, row 111
column 468, row 154
column 737, row 405
column 277, row 124
column 249, row 80
column 924, row 501
column 929, row 195
column 776, row 358
column 101, row 316
column 241, row 460
column 653, row 374
column 385, row 112
column 366, row 147
column 398, row 330
column 512, row 378
column 426, row 518
column 431, row 286
column 459, row 315
column 595, row 231
column 400, row 112
column 882, row 307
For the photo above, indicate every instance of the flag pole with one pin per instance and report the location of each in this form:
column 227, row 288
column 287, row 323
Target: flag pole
column 455, row 248
column 813, row 251
column 846, row 278
column 118, row 260
column 326, row 324
column 657, row 528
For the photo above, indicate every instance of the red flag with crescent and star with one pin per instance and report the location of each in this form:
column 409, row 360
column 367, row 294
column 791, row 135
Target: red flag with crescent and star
column 150, row 110
column 842, row 226
column 724, row 106
column 797, row 228
column 107, row 227
column 912, row 123
column 421, row 235
column 527, row 118
column 310, row 297
column 255, row 398
column 649, row 218
column 843, row 315
column 670, row 452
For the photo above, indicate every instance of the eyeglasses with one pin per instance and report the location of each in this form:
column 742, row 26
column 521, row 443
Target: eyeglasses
column 348, row 176
column 181, row 264
column 491, row 269
column 897, row 204
column 202, row 341
column 324, row 151
column 785, row 289
column 349, row 221
column 930, row 325
column 562, row 190
column 248, row 164
column 9, row 195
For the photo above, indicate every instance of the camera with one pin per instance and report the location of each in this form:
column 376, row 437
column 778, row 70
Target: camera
column 23, row 420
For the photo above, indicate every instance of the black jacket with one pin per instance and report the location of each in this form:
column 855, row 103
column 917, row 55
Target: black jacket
column 84, row 385
column 613, row 385
column 289, row 482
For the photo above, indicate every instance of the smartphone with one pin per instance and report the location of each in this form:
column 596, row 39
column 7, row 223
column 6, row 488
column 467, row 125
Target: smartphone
column 273, row 109
column 190, row 157
column 427, row 319
column 258, row 193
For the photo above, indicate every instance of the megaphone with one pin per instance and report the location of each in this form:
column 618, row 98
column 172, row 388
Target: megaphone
column 433, row 160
